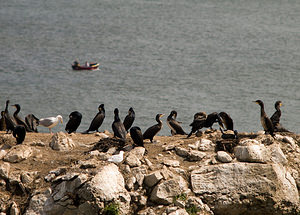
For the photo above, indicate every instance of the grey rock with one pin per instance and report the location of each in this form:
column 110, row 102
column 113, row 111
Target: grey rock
column 164, row 192
column 233, row 188
column 224, row 157
column 60, row 142
column 153, row 178
column 18, row 153
column 4, row 170
column 195, row 155
column 206, row 145
column 181, row 151
column 173, row 163
column 251, row 153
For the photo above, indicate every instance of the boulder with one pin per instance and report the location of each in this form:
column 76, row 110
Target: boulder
column 251, row 153
column 206, row 145
column 245, row 188
column 166, row 191
column 106, row 186
column 195, row 155
column 172, row 163
column 4, row 170
column 224, row 157
column 181, row 151
column 152, row 178
column 60, row 142
column 18, row 153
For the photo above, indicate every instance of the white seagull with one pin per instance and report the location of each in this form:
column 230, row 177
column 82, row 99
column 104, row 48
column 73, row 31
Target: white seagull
column 116, row 158
column 50, row 122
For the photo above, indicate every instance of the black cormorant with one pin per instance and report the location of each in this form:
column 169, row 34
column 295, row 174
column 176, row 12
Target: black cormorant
column 201, row 122
column 98, row 120
column 174, row 124
column 153, row 130
column 137, row 136
column 9, row 121
column 118, row 127
column 275, row 118
column 18, row 119
column 74, row 122
column 264, row 119
column 2, row 122
column 19, row 133
column 226, row 120
column 32, row 122
column 128, row 121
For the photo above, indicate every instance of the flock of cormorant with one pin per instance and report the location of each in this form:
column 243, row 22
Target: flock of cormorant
column 19, row 127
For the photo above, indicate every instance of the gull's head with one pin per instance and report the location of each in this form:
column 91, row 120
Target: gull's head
column 59, row 117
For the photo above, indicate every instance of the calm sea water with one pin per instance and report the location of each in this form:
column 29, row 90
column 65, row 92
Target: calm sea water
column 155, row 55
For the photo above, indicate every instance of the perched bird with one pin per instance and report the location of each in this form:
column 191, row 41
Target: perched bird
column 2, row 122
column 74, row 122
column 9, row 121
column 275, row 118
column 19, row 133
column 200, row 115
column 226, row 120
column 32, row 122
column 153, row 130
column 50, row 122
column 118, row 127
column 174, row 124
column 98, row 120
column 201, row 122
column 137, row 136
column 128, row 121
column 116, row 158
column 18, row 119
column 264, row 119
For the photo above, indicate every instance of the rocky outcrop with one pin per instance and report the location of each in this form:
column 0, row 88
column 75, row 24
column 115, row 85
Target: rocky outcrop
column 61, row 142
column 18, row 153
column 235, row 188
column 261, row 175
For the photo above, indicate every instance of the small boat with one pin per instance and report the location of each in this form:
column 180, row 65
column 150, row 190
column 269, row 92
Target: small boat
column 92, row 66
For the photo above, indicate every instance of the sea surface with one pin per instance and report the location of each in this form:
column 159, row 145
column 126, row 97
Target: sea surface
column 155, row 56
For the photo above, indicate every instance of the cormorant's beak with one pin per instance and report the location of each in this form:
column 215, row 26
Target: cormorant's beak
column 280, row 104
column 61, row 121
column 13, row 106
column 162, row 115
column 255, row 102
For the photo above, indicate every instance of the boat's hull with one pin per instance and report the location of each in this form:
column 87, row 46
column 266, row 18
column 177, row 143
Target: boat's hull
column 91, row 67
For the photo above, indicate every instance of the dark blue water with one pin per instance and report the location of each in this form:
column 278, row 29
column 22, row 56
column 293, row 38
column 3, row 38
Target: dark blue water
column 155, row 56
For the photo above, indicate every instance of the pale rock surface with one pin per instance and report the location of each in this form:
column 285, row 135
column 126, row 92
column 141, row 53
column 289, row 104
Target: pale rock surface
column 195, row 155
column 107, row 185
column 179, row 212
column 224, row 157
column 165, row 191
column 172, row 163
column 251, row 153
column 61, row 142
column 276, row 154
column 206, row 145
column 4, row 170
column 233, row 188
column 153, row 178
column 18, row 153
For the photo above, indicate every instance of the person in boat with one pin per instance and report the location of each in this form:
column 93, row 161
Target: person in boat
column 87, row 64
column 76, row 63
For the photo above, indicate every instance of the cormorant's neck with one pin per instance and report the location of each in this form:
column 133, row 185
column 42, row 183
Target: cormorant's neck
column 17, row 111
column 159, row 121
column 262, row 110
